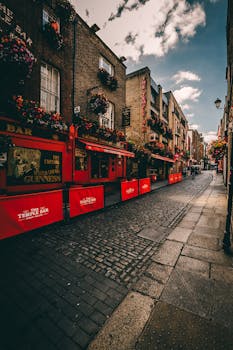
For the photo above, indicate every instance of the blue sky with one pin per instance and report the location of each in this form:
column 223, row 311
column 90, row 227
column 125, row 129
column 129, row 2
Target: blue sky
column 182, row 42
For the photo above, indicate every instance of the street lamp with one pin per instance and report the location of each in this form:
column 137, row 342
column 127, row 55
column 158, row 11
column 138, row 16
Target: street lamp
column 227, row 233
column 218, row 103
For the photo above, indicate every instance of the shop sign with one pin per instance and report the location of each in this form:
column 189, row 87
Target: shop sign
column 86, row 199
column 38, row 132
column 126, row 117
column 30, row 211
column 27, row 166
column 129, row 189
column 7, row 20
column 144, row 103
column 144, row 185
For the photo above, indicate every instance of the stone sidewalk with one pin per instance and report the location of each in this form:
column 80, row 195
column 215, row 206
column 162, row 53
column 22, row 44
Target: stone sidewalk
column 184, row 300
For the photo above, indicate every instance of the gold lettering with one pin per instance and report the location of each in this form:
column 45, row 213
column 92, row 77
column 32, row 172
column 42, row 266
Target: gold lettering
column 28, row 132
column 19, row 130
column 10, row 128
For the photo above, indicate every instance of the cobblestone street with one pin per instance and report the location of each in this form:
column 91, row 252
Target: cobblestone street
column 59, row 284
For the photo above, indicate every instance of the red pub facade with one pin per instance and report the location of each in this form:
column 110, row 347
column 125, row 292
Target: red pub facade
column 45, row 158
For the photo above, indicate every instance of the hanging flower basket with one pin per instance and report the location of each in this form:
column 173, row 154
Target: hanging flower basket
column 218, row 149
column 55, row 39
column 92, row 128
column 98, row 104
column 107, row 79
column 16, row 60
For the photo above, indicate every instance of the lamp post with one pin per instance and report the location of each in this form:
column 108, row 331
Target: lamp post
column 227, row 233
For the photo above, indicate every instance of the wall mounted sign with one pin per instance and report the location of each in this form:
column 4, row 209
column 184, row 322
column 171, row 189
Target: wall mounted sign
column 144, row 103
column 33, row 166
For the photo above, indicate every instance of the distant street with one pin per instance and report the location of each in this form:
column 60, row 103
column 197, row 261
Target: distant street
column 60, row 284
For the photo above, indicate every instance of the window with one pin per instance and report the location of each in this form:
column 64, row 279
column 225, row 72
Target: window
column 48, row 17
column 103, row 63
column 107, row 120
column 50, row 88
column 80, row 159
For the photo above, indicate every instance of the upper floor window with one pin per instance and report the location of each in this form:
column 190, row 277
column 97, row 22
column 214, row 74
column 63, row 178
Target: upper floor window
column 50, row 88
column 153, row 96
column 48, row 17
column 107, row 119
column 105, row 64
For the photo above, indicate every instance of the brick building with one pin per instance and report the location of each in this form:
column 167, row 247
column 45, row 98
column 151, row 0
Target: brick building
column 179, row 127
column 157, row 123
column 99, row 100
column 51, row 78
column 94, row 58
column 196, row 146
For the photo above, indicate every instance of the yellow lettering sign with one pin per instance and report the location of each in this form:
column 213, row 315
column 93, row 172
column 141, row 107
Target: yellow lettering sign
column 18, row 130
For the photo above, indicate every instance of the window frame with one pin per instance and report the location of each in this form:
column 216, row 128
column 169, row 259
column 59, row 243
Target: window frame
column 51, row 17
column 103, row 63
column 50, row 91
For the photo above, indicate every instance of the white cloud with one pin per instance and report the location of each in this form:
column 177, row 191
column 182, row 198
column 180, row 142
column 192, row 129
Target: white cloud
column 189, row 115
column 185, row 107
column 181, row 76
column 157, row 26
column 210, row 136
column 187, row 93
column 194, row 126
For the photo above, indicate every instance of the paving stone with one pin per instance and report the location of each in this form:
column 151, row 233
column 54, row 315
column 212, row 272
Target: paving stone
column 193, row 265
column 210, row 222
column 159, row 272
column 81, row 338
column 207, row 255
column 186, row 224
column 176, row 329
column 222, row 310
column 208, row 232
column 125, row 325
column 148, row 286
column 67, row 326
column 196, row 209
column 67, row 344
column 204, row 241
column 168, row 253
column 192, row 216
column 98, row 318
column 221, row 273
column 153, row 234
column 180, row 234
column 189, row 291
column 89, row 326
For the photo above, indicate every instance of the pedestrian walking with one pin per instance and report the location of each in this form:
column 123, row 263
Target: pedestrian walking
column 193, row 172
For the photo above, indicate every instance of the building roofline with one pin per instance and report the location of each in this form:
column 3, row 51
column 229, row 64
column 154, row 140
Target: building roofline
column 138, row 72
column 168, row 93
column 80, row 19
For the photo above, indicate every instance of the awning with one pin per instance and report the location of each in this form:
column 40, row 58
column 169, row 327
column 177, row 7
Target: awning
column 95, row 147
column 165, row 159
